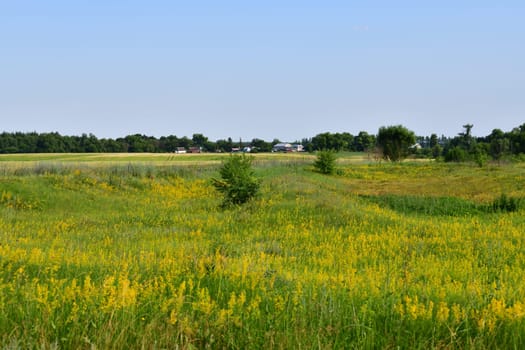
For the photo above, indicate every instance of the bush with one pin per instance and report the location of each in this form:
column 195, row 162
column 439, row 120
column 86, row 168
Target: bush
column 325, row 162
column 455, row 154
column 506, row 204
column 238, row 183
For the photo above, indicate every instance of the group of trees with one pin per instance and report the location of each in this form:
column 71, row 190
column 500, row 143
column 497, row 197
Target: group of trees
column 392, row 143
column 55, row 143
column 397, row 142
column 340, row 142
column 496, row 145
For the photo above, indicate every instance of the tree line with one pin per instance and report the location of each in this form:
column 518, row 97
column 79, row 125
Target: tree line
column 53, row 142
column 393, row 143
column 397, row 142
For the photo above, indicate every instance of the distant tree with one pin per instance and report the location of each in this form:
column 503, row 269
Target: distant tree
column 347, row 141
column 88, row 143
column 185, row 142
column 363, row 142
column 168, row 143
column 436, row 150
column 395, row 141
column 261, row 145
column 466, row 141
column 455, row 154
column 468, row 128
column 223, row 145
column 338, row 141
column 499, row 144
column 199, row 139
column 230, row 144
column 517, row 140
column 202, row 141
column 307, row 144
column 321, row 141
column 140, row 143
column 8, row 143
column 26, row 142
column 479, row 153
column 433, row 140
column 110, row 145
column 50, row 143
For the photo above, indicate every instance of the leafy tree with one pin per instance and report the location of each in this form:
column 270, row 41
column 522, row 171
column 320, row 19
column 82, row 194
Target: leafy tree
column 223, row 145
column 321, row 141
column 88, row 143
column 169, row 143
column 455, row 154
column 363, row 142
column 237, row 182
column 347, row 140
column 202, row 141
column 261, row 145
column 338, row 141
column 185, row 142
column 433, row 140
column 517, row 139
column 498, row 144
column 479, row 154
column 436, row 150
column 199, row 140
column 50, row 143
column 467, row 137
column 325, row 162
column 110, row 145
column 307, row 144
column 395, row 141
column 140, row 143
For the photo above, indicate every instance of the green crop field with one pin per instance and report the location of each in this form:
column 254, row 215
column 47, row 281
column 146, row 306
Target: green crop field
column 135, row 251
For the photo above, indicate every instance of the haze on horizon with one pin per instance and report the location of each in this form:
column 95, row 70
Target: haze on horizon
column 261, row 69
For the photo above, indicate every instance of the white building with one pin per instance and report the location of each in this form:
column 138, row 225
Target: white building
column 282, row 147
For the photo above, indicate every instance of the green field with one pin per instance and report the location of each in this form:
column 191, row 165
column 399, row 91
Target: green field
column 134, row 251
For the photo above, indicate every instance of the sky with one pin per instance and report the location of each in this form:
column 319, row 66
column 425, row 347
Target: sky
column 272, row 69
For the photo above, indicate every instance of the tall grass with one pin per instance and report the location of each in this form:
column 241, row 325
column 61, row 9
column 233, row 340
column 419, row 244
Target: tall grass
column 141, row 255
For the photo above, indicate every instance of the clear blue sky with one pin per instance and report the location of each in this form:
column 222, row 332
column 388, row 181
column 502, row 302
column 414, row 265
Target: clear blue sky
column 267, row 69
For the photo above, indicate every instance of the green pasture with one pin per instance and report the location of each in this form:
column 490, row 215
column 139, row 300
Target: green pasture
column 135, row 251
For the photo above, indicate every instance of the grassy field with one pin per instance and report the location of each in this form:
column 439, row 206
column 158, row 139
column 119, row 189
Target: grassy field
column 134, row 251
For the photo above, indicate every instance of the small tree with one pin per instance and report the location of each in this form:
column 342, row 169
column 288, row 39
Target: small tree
column 238, row 183
column 436, row 151
column 455, row 154
column 325, row 162
column 395, row 141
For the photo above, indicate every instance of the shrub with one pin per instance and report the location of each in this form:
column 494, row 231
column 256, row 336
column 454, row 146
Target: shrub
column 455, row 154
column 505, row 203
column 325, row 162
column 238, row 183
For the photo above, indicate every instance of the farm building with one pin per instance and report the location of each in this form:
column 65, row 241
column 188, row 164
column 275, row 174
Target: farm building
column 288, row 147
column 282, row 147
column 297, row 147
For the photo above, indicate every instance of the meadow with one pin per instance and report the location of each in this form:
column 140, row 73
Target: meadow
column 135, row 251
